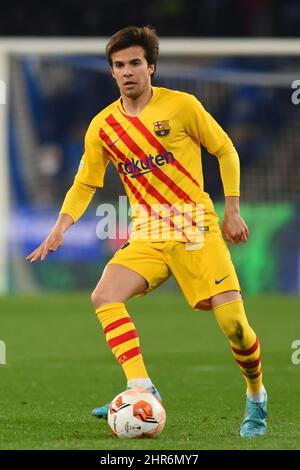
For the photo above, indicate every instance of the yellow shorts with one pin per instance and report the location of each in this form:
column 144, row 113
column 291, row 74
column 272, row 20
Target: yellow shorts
column 200, row 273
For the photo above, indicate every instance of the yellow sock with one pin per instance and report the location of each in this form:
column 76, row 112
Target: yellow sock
column 243, row 340
column 123, row 339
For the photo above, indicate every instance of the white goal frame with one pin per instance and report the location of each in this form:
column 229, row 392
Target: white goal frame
column 172, row 46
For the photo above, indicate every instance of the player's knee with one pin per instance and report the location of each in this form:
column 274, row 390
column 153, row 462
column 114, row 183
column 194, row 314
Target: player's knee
column 101, row 297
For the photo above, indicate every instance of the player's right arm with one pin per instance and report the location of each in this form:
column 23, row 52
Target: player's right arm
column 90, row 175
column 54, row 240
column 75, row 204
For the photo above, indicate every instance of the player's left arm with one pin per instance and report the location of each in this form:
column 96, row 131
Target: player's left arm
column 234, row 228
column 203, row 127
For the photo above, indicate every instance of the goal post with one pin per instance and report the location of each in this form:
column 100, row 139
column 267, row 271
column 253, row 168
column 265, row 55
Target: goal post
column 219, row 71
column 4, row 172
column 171, row 46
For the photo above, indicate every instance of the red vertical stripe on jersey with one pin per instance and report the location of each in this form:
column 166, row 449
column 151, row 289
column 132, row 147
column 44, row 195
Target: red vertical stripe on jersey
column 157, row 145
column 108, row 151
column 120, row 131
column 140, row 199
column 144, row 182
column 133, row 147
column 142, row 179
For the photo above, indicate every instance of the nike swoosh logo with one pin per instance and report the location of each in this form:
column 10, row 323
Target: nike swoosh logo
column 113, row 143
column 218, row 281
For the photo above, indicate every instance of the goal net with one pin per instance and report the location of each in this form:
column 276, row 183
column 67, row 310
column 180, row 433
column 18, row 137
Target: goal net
column 52, row 96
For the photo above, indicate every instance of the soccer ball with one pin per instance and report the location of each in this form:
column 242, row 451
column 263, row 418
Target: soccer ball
column 136, row 413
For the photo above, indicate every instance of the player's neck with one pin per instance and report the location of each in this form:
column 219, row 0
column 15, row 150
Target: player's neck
column 133, row 107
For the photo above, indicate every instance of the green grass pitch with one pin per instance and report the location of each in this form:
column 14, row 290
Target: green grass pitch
column 59, row 368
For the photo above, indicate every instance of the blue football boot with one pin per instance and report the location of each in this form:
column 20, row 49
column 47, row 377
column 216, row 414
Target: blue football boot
column 254, row 423
column 102, row 411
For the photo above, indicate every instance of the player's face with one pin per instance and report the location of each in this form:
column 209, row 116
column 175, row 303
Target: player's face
column 131, row 71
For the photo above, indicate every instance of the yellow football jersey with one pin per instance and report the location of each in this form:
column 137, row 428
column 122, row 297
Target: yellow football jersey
column 158, row 157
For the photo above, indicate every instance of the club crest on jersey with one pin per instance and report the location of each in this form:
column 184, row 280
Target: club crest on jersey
column 161, row 128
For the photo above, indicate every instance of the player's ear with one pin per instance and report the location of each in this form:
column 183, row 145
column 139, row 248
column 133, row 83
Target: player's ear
column 112, row 72
column 151, row 69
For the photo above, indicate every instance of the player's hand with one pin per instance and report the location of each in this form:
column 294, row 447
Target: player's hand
column 54, row 240
column 235, row 229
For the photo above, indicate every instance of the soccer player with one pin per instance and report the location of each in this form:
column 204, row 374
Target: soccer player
column 153, row 136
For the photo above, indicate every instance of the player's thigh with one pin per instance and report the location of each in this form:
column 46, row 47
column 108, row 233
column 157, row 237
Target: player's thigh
column 146, row 259
column 225, row 297
column 117, row 284
column 136, row 268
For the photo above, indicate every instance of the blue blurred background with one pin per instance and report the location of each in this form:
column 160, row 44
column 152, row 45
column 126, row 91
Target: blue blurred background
column 53, row 98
